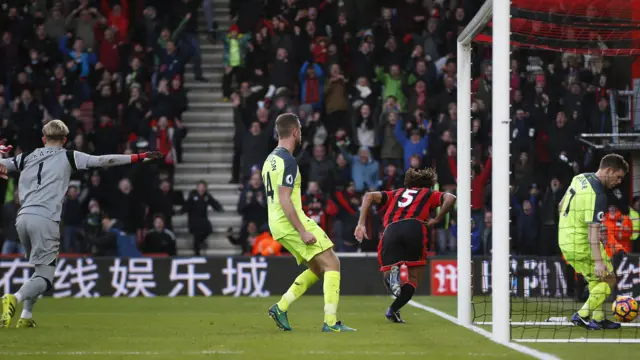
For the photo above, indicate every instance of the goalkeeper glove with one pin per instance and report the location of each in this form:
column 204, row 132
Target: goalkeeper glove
column 146, row 156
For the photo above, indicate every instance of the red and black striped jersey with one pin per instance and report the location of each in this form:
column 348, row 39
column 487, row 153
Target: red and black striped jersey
column 409, row 203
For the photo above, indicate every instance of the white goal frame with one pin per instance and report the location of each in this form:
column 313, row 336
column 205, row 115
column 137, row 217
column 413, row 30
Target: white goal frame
column 499, row 12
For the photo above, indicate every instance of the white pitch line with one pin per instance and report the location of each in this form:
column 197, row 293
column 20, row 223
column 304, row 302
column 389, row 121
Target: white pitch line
column 120, row 353
column 363, row 352
column 385, row 353
column 546, row 323
column 582, row 340
column 226, row 352
column 511, row 345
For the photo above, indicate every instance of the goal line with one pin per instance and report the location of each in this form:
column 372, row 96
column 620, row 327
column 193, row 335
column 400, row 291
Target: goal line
column 579, row 340
column 547, row 323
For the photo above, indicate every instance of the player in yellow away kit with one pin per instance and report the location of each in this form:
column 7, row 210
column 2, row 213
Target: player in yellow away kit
column 296, row 232
column 581, row 212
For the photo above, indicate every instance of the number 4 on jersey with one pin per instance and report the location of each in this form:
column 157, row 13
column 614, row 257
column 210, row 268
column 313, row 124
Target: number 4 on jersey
column 267, row 181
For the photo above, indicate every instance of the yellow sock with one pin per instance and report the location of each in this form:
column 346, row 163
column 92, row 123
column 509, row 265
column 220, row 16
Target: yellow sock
column 331, row 296
column 598, row 293
column 303, row 282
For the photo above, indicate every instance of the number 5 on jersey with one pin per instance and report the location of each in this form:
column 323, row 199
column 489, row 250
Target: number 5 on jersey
column 407, row 198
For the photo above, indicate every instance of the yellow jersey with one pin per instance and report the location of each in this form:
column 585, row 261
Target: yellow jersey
column 281, row 169
column 585, row 202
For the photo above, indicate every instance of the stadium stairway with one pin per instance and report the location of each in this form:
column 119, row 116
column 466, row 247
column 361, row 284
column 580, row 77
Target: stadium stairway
column 208, row 147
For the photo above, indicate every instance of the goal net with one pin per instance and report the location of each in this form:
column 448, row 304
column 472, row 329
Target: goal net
column 549, row 83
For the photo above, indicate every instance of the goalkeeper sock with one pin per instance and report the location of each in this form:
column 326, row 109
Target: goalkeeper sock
column 598, row 293
column 331, row 296
column 300, row 285
column 27, row 308
column 406, row 293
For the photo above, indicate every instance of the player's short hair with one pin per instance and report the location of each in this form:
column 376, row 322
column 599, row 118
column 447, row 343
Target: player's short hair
column 55, row 130
column 615, row 162
column 285, row 123
column 424, row 178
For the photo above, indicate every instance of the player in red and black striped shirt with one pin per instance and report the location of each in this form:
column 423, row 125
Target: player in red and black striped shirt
column 404, row 242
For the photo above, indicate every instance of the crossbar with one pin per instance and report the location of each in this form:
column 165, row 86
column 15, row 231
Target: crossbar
column 476, row 24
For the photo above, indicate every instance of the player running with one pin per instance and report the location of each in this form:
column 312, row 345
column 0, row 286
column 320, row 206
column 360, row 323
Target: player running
column 44, row 179
column 582, row 209
column 404, row 241
column 296, row 232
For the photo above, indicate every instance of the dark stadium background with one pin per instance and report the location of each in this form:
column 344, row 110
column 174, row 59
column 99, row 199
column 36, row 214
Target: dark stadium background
column 370, row 60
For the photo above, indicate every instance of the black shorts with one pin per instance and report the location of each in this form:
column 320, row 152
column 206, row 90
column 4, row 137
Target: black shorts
column 405, row 242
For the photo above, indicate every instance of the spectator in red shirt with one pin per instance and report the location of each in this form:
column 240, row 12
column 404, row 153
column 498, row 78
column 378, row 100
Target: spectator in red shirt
column 479, row 178
column 319, row 50
column 317, row 207
column 109, row 49
column 117, row 16
column 162, row 138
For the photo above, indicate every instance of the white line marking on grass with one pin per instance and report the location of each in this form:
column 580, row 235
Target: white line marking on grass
column 363, row 352
column 546, row 323
column 582, row 340
column 120, row 353
column 112, row 314
column 511, row 345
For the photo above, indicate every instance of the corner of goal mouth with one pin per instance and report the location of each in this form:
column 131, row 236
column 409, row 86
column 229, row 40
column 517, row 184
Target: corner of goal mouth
column 536, row 354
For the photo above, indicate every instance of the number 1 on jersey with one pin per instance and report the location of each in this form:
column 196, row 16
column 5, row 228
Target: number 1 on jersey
column 269, row 186
column 40, row 173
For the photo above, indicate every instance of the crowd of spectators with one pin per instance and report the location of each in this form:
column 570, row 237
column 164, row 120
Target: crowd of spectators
column 113, row 71
column 374, row 85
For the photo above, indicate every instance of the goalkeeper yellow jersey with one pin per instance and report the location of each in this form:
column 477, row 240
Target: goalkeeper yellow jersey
column 281, row 169
column 584, row 203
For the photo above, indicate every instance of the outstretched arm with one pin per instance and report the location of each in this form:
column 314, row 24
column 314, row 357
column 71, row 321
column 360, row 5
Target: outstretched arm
column 448, row 200
column 62, row 45
column 84, row 161
column 400, row 132
column 10, row 164
column 215, row 204
column 370, row 198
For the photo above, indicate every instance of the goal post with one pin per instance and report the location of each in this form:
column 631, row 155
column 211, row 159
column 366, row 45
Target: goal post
column 463, row 205
column 500, row 194
column 505, row 301
column 479, row 21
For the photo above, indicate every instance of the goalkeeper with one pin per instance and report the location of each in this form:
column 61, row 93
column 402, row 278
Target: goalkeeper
column 581, row 212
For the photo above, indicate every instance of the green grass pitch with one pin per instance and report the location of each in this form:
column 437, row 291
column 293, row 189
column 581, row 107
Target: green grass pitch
column 239, row 328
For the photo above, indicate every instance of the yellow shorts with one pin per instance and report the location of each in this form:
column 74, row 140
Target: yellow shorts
column 585, row 264
column 303, row 253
